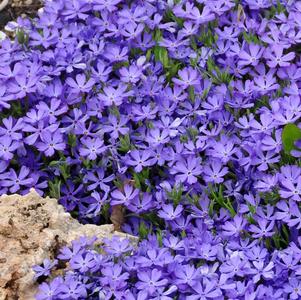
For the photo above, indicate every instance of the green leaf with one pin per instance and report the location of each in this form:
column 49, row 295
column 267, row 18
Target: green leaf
column 157, row 35
column 143, row 231
column 55, row 188
column 71, row 140
column 191, row 93
column 160, row 237
column 173, row 69
column 125, row 143
column 219, row 198
column 65, row 171
column 161, row 54
column 290, row 134
column 171, row 17
column 251, row 38
column 175, row 194
column 22, row 36
column 148, row 54
column 137, row 181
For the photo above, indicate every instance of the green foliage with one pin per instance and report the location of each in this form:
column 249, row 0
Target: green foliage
column 217, row 197
column 207, row 37
column 72, row 140
column 170, row 16
column 251, row 38
column 175, row 194
column 275, row 10
column 216, row 75
column 205, row 93
column 270, row 197
column 22, row 36
column 55, row 188
column 105, row 212
column 172, row 69
column 125, row 143
column 281, row 239
column 120, row 64
column 15, row 111
column 290, row 134
column 65, row 171
column 157, row 35
column 161, row 54
column 140, row 179
column 159, row 237
column 143, row 231
column 118, row 183
column 191, row 93
column 193, row 133
column 154, row 220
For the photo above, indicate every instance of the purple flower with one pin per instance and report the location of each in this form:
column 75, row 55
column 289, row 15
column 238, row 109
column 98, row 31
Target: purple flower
column 83, row 263
column 293, row 288
column 96, row 203
column 116, row 126
column 113, row 274
column 102, row 5
column 23, row 85
column 101, row 71
column 235, row 227
column 187, row 170
column 188, row 77
column 205, row 289
column 215, row 172
column 76, row 9
column 139, row 159
column 117, row 246
column 186, row 275
column 264, row 228
column 54, row 110
column 36, row 131
column 112, row 96
column 13, row 181
column 92, row 148
column 115, row 53
column 262, row 271
column 73, row 289
column 50, row 291
column 265, row 84
column 129, row 193
column 235, row 265
column 99, row 180
column 45, row 269
column 291, row 189
column 251, row 55
column 51, row 142
column 276, row 57
column 131, row 74
column 168, row 212
column 141, row 204
column 150, row 281
column 7, row 148
column 10, row 130
column 80, row 84
column 200, row 18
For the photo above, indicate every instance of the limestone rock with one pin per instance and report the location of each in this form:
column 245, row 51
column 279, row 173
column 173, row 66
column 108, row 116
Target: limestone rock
column 31, row 229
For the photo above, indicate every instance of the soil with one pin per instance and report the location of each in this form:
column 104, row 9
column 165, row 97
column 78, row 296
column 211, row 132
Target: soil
column 16, row 8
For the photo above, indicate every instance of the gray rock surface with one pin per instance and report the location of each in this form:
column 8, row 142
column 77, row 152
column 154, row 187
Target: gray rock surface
column 31, row 229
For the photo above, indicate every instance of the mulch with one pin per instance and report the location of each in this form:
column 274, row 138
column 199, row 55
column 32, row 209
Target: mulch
column 18, row 8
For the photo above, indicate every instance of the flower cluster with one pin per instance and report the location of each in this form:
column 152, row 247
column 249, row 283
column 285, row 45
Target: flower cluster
column 197, row 266
column 183, row 113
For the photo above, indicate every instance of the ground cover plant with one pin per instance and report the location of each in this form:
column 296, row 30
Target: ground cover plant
column 178, row 121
